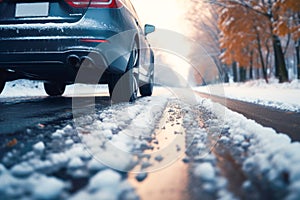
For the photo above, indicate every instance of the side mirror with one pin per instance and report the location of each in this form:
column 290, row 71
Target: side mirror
column 149, row 29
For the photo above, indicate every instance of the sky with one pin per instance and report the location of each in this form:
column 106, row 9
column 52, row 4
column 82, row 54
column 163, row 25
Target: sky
column 171, row 36
column 164, row 14
column 175, row 35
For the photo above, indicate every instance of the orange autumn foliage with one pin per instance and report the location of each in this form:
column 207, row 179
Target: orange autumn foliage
column 288, row 12
column 247, row 27
column 240, row 28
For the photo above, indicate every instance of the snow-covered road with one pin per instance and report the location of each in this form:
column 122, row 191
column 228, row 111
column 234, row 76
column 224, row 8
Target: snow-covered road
column 158, row 147
column 90, row 159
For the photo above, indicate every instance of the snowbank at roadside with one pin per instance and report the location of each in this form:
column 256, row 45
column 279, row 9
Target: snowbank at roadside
column 23, row 88
column 268, row 160
column 284, row 96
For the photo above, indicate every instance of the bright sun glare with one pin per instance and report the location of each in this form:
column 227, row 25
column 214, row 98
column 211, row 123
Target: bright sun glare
column 167, row 15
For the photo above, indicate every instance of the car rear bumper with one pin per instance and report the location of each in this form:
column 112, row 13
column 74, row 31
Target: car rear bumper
column 59, row 59
column 52, row 65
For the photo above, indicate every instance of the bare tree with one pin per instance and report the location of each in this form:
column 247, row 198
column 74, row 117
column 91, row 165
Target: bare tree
column 204, row 18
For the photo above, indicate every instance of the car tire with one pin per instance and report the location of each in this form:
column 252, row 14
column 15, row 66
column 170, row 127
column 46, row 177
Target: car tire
column 146, row 89
column 54, row 89
column 124, row 87
column 2, row 80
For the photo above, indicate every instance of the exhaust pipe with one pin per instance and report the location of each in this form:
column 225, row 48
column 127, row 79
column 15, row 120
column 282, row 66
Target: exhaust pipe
column 74, row 61
column 87, row 61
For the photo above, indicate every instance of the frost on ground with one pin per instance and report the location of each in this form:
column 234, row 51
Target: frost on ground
column 267, row 161
column 85, row 160
column 284, row 96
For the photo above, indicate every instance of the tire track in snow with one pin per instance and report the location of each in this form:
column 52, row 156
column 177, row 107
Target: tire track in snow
column 194, row 176
column 167, row 176
column 206, row 179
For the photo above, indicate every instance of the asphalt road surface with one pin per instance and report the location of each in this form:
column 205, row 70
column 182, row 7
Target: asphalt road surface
column 18, row 114
column 282, row 121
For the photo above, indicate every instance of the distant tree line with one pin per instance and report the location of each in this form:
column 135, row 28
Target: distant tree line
column 250, row 38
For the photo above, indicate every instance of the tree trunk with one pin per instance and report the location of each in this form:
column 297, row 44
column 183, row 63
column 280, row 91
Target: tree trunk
column 234, row 71
column 251, row 73
column 257, row 73
column 242, row 74
column 261, row 58
column 251, row 66
column 280, row 66
column 298, row 57
column 226, row 76
column 267, row 55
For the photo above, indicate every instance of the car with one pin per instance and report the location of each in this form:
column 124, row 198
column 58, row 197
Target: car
column 62, row 42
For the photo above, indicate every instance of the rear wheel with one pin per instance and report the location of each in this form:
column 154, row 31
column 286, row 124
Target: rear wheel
column 2, row 80
column 146, row 89
column 54, row 89
column 124, row 87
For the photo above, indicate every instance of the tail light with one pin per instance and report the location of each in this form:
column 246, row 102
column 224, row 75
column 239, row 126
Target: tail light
column 93, row 3
column 78, row 3
column 94, row 40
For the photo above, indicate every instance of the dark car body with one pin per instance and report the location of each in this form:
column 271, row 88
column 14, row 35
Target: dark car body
column 49, row 41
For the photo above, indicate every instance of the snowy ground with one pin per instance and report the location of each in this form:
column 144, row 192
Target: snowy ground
column 281, row 96
column 268, row 161
column 98, row 150
column 26, row 88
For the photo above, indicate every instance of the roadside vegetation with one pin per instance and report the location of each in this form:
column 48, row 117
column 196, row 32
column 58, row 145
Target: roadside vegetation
column 250, row 39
